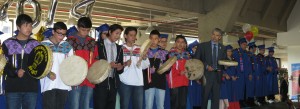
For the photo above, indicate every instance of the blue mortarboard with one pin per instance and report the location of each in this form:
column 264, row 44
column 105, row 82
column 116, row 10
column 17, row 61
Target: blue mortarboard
column 271, row 49
column 252, row 44
column 104, row 27
column 228, row 47
column 242, row 40
column 71, row 30
column 261, row 47
column 164, row 36
column 193, row 44
column 1, row 33
column 48, row 32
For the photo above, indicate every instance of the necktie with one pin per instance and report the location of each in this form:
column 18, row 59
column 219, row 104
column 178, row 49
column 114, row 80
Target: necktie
column 214, row 56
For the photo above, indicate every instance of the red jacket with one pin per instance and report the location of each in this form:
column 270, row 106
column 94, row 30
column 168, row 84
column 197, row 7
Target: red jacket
column 175, row 78
column 86, row 51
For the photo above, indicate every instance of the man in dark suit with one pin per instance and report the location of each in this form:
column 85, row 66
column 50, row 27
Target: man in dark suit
column 209, row 53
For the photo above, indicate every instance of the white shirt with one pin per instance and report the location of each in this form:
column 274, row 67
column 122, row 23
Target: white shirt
column 133, row 75
column 110, row 46
column 58, row 56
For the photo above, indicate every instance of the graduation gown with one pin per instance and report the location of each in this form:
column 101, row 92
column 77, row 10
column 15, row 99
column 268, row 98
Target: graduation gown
column 272, row 76
column 243, row 71
column 232, row 86
column 261, row 83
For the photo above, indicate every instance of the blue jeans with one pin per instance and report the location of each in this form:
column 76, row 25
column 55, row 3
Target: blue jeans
column 136, row 93
column 79, row 97
column 159, row 95
column 18, row 100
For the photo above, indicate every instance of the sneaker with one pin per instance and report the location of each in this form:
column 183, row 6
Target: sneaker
column 257, row 103
column 271, row 101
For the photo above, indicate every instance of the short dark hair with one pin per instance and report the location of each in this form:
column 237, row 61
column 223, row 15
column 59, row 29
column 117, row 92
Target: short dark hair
column 128, row 29
column 84, row 22
column 60, row 25
column 114, row 27
column 154, row 32
column 180, row 37
column 23, row 19
column 218, row 30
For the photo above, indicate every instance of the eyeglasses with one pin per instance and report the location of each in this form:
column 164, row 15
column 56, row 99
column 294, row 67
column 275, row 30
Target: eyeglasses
column 60, row 34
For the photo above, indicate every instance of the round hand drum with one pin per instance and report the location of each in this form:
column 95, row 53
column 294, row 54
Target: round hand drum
column 40, row 62
column 99, row 71
column 73, row 70
column 2, row 63
column 195, row 69
column 145, row 46
column 228, row 63
column 167, row 65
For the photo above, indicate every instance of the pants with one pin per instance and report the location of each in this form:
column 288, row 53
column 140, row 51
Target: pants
column 179, row 97
column 18, row 100
column 159, row 96
column 79, row 97
column 104, row 97
column 127, row 92
column 284, row 97
column 212, row 88
column 55, row 99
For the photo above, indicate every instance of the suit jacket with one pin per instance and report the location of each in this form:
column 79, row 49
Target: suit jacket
column 103, row 55
column 204, row 53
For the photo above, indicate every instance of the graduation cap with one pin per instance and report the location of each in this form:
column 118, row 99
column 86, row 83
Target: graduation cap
column 193, row 44
column 48, row 32
column 271, row 49
column 260, row 47
column 1, row 33
column 163, row 36
column 104, row 27
column 242, row 40
column 228, row 47
column 71, row 30
column 252, row 45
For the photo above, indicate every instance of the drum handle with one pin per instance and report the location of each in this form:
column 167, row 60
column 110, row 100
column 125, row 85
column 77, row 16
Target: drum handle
column 91, row 57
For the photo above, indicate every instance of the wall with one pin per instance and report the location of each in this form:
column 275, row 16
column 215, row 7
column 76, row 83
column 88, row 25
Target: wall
column 291, row 39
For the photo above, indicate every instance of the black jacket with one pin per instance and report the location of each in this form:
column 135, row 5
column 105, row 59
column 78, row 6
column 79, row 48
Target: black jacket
column 103, row 55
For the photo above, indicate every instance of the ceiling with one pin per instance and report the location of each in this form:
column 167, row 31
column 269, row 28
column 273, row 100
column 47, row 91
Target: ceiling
column 178, row 16
column 166, row 20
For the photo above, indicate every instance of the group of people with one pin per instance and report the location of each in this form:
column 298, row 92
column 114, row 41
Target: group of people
column 134, row 74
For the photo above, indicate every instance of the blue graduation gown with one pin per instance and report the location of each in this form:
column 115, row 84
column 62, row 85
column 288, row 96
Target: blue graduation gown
column 261, row 84
column 272, row 76
column 194, row 94
column 243, row 71
column 224, row 89
column 232, row 86
column 250, row 84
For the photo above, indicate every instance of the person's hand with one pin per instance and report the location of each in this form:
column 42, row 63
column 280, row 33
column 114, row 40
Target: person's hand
column 52, row 76
column 269, row 69
column 145, row 56
column 199, row 81
column 250, row 77
column 128, row 63
column 227, row 76
column 21, row 73
column 234, row 78
column 210, row 69
column 113, row 65
column 183, row 72
column 119, row 66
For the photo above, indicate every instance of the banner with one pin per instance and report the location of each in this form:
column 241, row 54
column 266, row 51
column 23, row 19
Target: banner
column 295, row 80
